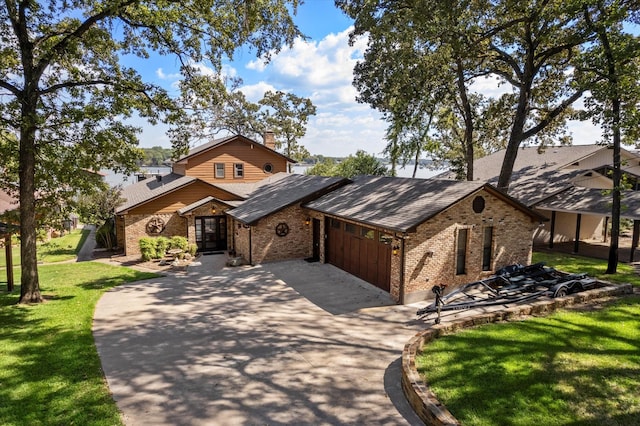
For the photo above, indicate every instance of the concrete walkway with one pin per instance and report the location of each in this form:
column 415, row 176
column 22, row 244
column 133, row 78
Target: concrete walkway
column 86, row 251
column 277, row 344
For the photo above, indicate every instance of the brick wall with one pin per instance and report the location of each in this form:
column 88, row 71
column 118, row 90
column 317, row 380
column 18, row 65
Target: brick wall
column 269, row 247
column 120, row 240
column 430, row 252
column 240, row 240
column 206, row 210
column 135, row 228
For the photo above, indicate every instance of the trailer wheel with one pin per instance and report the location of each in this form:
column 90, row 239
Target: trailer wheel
column 561, row 292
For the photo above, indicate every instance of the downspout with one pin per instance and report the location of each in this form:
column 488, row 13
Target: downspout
column 402, row 283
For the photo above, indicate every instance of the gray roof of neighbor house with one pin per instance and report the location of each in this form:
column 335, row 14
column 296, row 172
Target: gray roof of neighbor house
column 283, row 192
column 529, row 159
column 7, row 202
column 151, row 188
column 399, row 204
column 221, row 141
column 592, row 201
column 204, row 201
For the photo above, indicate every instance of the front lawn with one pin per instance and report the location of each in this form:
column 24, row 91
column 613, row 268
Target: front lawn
column 55, row 250
column 573, row 367
column 50, row 373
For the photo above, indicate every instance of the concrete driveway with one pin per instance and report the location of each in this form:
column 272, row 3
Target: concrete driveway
column 277, row 344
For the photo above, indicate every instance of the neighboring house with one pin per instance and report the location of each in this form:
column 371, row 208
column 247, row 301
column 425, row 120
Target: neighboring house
column 402, row 235
column 569, row 186
column 192, row 200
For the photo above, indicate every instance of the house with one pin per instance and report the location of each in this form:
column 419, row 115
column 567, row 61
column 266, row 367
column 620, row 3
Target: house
column 191, row 201
column 402, row 235
column 568, row 185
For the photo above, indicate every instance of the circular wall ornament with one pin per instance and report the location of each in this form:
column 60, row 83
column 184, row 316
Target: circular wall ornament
column 282, row 229
column 478, row 204
column 155, row 225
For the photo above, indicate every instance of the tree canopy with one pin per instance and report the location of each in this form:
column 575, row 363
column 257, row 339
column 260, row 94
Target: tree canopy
column 354, row 165
column 65, row 94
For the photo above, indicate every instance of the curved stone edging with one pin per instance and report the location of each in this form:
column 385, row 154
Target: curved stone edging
column 418, row 394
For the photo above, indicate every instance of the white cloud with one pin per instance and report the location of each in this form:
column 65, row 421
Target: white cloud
column 255, row 92
column 171, row 76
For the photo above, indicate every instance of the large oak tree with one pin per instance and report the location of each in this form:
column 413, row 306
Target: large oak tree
column 64, row 93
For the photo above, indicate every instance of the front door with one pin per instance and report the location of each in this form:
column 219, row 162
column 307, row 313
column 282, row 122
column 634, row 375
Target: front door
column 211, row 233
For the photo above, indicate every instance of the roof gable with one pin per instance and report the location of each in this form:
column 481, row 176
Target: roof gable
column 217, row 143
column 274, row 196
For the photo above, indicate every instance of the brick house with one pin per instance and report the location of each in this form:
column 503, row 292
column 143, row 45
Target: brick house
column 192, row 200
column 402, row 235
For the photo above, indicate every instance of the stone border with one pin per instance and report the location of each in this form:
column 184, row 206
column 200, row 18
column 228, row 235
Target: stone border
column 417, row 392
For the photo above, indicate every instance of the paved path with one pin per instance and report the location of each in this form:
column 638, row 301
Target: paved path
column 277, row 344
column 86, row 252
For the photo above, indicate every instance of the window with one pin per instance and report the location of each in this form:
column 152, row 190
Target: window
column 367, row 233
column 487, row 244
column 335, row 223
column 385, row 238
column 461, row 252
column 350, row 228
column 238, row 170
column 219, row 169
column 268, row 168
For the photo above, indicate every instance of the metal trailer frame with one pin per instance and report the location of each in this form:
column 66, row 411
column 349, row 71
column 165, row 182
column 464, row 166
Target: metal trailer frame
column 512, row 284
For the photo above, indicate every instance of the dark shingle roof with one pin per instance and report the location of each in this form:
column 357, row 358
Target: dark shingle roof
column 529, row 158
column 397, row 204
column 285, row 191
column 149, row 189
column 593, row 201
column 244, row 190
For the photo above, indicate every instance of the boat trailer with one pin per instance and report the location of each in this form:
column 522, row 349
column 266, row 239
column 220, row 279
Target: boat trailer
column 511, row 284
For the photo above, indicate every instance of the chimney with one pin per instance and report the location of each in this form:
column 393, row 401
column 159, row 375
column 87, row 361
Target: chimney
column 269, row 139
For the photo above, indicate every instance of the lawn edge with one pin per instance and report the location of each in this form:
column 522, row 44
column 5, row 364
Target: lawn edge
column 423, row 401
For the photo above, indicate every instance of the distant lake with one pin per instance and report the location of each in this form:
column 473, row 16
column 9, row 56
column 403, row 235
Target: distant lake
column 114, row 179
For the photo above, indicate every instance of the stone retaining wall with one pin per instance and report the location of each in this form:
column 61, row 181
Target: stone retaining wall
column 420, row 397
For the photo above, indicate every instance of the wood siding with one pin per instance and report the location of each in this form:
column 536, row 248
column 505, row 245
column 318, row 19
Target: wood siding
column 180, row 198
column 252, row 155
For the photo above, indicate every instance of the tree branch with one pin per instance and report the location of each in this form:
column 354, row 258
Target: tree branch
column 553, row 114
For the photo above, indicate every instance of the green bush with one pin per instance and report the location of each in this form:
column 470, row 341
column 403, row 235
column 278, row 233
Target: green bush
column 148, row 248
column 106, row 235
column 193, row 249
column 179, row 242
column 162, row 245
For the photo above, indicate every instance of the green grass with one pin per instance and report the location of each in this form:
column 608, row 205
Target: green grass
column 50, row 373
column 594, row 267
column 573, row 367
column 55, row 250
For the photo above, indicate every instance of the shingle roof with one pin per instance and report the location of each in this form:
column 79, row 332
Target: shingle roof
column 221, row 141
column 149, row 189
column 244, row 190
column 7, row 202
column 285, row 191
column 199, row 203
column 529, row 158
column 397, row 204
column 592, row 201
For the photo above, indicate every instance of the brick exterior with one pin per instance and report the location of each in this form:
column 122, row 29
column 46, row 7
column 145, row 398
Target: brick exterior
column 430, row 252
column 269, row 247
column 205, row 211
column 135, row 228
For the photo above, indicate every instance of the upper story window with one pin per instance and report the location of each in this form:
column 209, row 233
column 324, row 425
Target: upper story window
column 238, row 170
column 219, row 170
column 268, row 168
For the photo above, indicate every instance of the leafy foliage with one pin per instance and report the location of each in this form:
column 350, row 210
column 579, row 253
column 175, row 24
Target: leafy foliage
column 354, row 165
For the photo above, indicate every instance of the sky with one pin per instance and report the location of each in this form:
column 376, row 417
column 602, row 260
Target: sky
column 319, row 68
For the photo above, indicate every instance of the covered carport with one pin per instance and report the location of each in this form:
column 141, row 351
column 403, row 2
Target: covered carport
column 584, row 204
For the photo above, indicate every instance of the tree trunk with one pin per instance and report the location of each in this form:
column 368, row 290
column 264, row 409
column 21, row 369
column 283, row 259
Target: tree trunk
column 30, row 285
column 468, row 119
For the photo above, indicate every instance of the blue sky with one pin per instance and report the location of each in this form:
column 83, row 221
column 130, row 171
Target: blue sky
column 319, row 68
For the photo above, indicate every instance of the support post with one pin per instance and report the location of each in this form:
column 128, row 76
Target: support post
column 634, row 240
column 9, row 255
column 576, row 242
column 606, row 228
column 553, row 228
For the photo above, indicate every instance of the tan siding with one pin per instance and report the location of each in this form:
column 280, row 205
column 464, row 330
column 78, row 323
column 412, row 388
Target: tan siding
column 180, row 198
column 178, row 169
column 252, row 155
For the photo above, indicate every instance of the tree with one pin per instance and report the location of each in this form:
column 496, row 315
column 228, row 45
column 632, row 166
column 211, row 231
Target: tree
column 360, row 164
column 612, row 62
column 287, row 115
column 65, row 94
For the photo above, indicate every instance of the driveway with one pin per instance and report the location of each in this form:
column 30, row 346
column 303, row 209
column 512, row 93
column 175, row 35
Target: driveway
column 278, row 344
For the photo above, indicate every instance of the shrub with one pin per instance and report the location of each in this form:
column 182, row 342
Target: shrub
column 162, row 245
column 179, row 242
column 106, row 235
column 148, row 248
column 193, row 249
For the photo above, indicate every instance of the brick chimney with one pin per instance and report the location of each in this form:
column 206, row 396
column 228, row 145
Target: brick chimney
column 269, row 139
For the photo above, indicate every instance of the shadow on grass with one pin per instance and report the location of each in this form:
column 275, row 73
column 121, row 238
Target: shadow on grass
column 554, row 371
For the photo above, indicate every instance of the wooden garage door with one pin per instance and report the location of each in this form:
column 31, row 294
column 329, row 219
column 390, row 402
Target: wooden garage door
column 361, row 251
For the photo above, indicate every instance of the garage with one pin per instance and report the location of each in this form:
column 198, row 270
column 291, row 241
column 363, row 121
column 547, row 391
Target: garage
column 362, row 251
